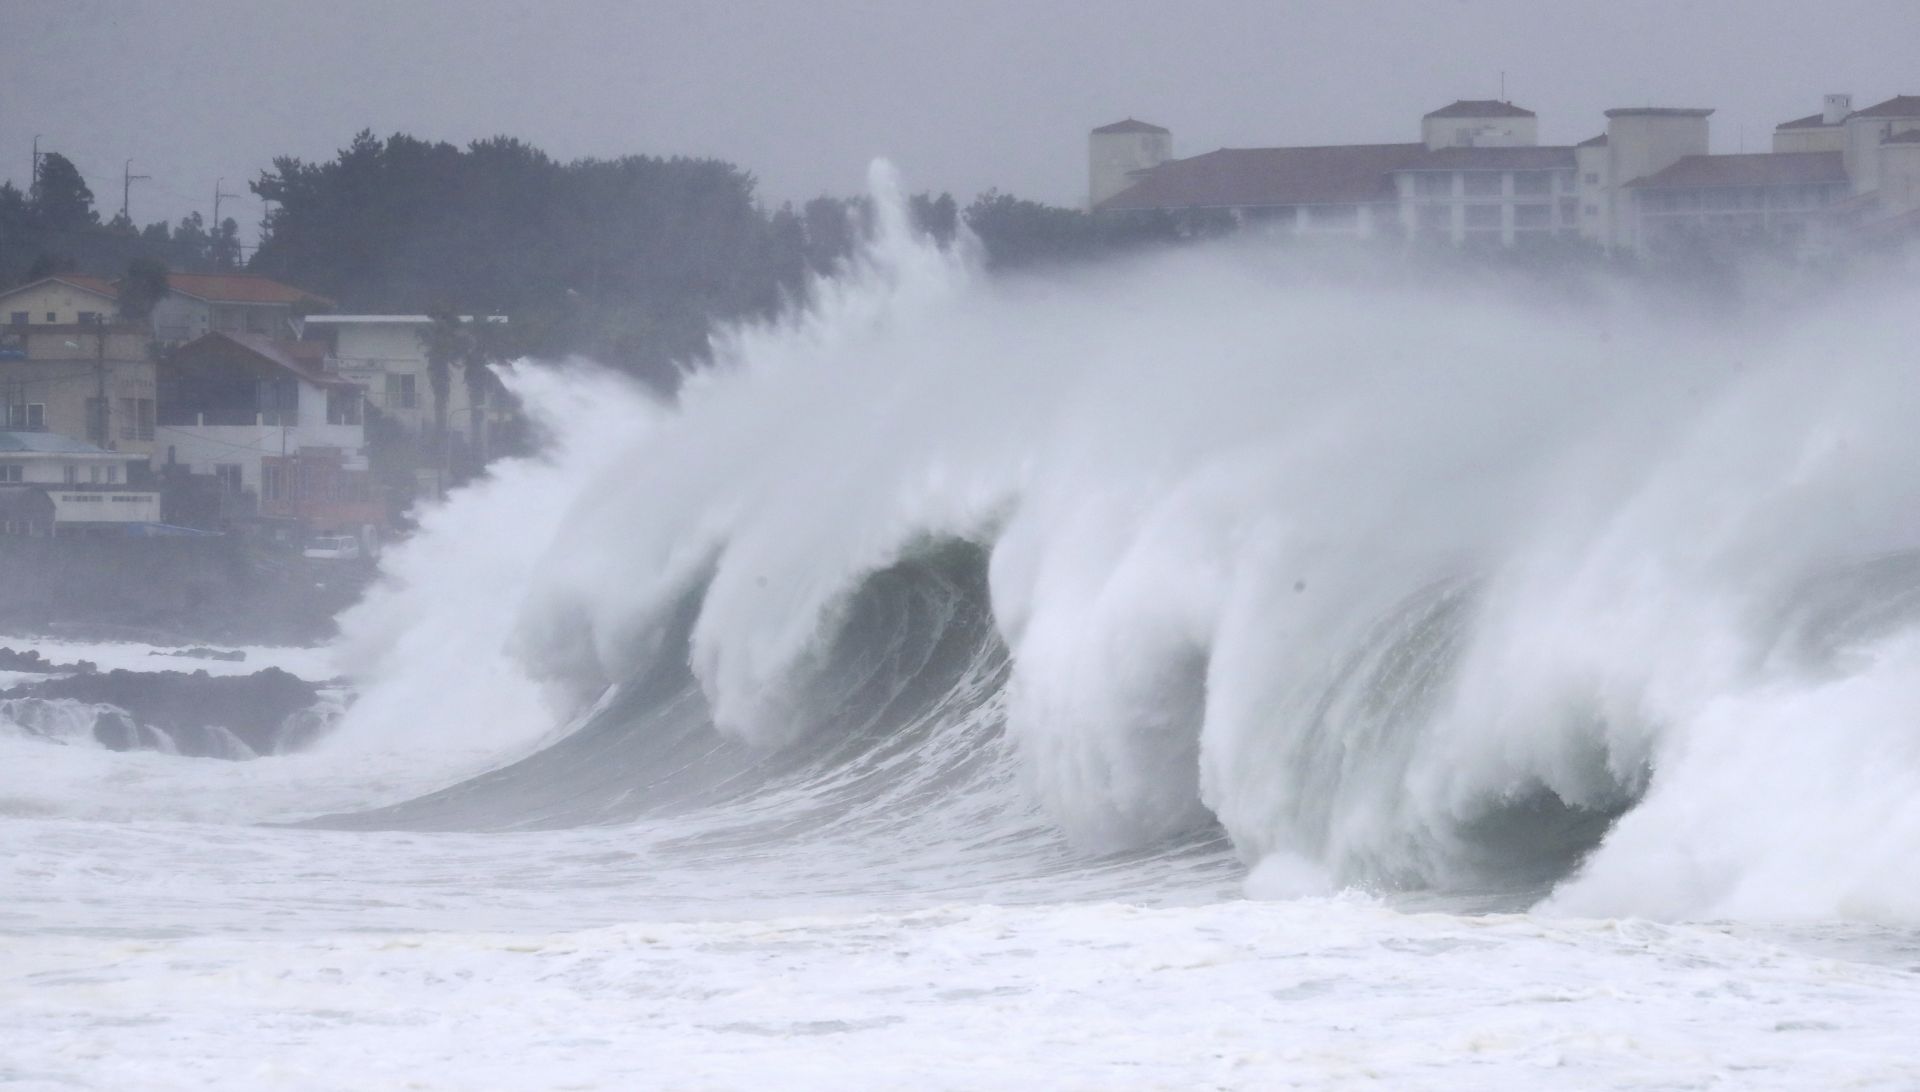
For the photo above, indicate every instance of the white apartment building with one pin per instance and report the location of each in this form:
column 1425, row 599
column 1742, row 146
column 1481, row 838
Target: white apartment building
column 1479, row 177
column 387, row 356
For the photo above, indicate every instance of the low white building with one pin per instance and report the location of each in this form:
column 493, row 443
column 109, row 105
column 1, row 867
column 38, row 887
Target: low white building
column 387, row 356
column 90, row 489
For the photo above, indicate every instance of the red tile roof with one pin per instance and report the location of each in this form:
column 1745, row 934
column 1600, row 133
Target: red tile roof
column 1755, row 169
column 1811, row 121
column 1899, row 106
column 1260, row 177
column 1481, row 108
column 240, row 288
column 1531, row 158
column 1130, row 126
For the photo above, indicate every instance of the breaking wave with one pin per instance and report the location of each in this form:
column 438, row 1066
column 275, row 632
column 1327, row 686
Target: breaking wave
column 1219, row 561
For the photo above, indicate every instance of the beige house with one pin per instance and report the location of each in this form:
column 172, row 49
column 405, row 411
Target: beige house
column 65, row 300
column 91, row 381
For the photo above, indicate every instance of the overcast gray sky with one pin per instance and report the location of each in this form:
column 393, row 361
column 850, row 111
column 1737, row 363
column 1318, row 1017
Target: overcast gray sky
column 963, row 94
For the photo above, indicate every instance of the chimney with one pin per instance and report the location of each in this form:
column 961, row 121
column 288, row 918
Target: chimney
column 1835, row 108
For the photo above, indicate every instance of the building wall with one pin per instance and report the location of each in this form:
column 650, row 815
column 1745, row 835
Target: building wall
column 1501, row 208
column 1826, row 138
column 204, row 448
column 1862, row 150
column 1501, row 132
column 1594, row 169
column 368, row 353
column 178, row 318
column 63, row 302
column 54, row 469
column 1899, row 178
column 62, row 373
column 1112, row 157
column 98, row 506
column 1790, row 215
column 1640, row 144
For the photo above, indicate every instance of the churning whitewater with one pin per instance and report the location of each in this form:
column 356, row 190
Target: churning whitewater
column 1400, row 587
column 955, row 652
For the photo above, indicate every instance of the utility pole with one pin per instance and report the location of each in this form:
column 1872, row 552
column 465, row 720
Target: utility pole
column 213, row 229
column 33, row 187
column 217, row 195
column 127, row 179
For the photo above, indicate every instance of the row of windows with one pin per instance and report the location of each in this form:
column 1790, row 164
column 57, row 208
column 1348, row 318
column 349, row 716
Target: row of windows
column 1489, row 183
column 14, row 473
column 86, row 318
column 1736, row 198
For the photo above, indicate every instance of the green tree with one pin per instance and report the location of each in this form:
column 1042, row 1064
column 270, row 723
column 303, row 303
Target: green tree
column 61, row 199
column 142, row 287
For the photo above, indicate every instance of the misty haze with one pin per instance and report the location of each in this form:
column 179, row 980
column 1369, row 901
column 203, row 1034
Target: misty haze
column 677, row 545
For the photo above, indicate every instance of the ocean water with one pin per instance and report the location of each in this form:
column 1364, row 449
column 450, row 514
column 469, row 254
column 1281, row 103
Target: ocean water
column 1225, row 669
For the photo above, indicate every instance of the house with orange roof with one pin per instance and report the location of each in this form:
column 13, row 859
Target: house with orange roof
column 237, row 303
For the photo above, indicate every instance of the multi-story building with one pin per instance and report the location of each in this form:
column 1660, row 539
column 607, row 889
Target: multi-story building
column 1479, row 176
column 253, row 413
column 387, row 355
column 237, row 303
column 93, row 381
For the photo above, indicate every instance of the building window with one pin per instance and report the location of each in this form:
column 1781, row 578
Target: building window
column 1591, row 178
column 93, row 474
column 19, row 318
column 53, row 316
column 1532, row 183
column 1437, row 219
column 1334, row 215
column 27, row 416
column 343, row 406
column 113, row 473
column 70, row 474
column 1532, row 216
column 12, row 472
column 1433, row 184
column 1483, row 216
column 1482, row 183
column 400, row 392
column 89, row 318
column 97, row 421
column 228, row 475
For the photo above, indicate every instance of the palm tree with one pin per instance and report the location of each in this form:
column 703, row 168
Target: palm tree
column 445, row 342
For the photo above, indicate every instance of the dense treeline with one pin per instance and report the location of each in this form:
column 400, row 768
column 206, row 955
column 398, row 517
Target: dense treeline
column 52, row 227
column 628, row 260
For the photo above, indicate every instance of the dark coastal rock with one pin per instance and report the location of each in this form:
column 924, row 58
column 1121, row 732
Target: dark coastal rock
column 199, row 714
column 32, row 661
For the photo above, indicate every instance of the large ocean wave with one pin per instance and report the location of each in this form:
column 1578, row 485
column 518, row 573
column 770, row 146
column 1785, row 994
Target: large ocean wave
column 1392, row 577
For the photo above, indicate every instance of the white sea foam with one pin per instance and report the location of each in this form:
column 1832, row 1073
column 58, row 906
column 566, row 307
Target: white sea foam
column 1427, row 590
